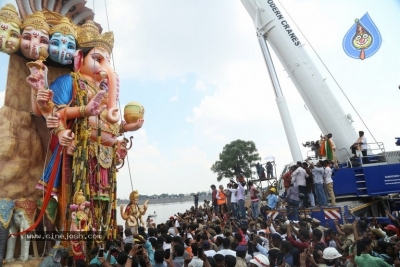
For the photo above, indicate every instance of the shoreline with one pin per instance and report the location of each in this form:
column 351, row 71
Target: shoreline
column 166, row 200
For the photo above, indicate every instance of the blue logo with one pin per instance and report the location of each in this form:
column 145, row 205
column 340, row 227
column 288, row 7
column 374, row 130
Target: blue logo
column 363, row 39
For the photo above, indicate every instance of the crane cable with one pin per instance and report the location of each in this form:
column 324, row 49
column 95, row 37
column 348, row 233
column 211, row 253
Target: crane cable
column 323, row 63
column 119, row 103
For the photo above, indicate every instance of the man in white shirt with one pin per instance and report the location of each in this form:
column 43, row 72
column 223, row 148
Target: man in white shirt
column 226, row 244
column 233, row 189
column 360, row 144
column 207, row 249
column 240, row 199
column 318, row 173
column 328, row 183
column 299, row 180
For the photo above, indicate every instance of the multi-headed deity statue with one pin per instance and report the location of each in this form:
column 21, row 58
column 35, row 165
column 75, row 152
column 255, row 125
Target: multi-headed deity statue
column 80, row 108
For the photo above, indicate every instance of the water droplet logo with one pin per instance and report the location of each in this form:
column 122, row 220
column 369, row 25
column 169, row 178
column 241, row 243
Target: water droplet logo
column 363, row 39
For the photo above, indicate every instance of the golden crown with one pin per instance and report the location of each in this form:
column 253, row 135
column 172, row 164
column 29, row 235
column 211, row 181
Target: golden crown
column 65, row 27
column 134, row 195
column 37, row 20
column 79, row 198
column 89, row 36
column 52, row 18
column 8, row 13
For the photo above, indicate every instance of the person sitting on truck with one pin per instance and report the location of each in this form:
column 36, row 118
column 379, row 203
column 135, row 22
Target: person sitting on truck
column 360, row 145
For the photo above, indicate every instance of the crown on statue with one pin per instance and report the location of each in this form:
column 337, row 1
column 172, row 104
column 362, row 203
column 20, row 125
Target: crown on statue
column 9, row 14
column 65, row 27
column 134, row 195
column 52, row 18
column 89, row 36
column 79, row 198
column 37, row 20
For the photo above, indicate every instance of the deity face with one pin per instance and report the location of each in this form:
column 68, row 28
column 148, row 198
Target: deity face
column 9, row 37
column 82, row 207
column 134, row 201
column 96, row 62
column 31, row 40
column 62, row 48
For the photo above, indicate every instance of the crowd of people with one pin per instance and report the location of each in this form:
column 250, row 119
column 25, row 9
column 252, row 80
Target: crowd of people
column 218, row 236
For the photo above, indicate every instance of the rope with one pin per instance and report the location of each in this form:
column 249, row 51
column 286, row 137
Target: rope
column 323, row 63
column 44, row 168
column 119, row 103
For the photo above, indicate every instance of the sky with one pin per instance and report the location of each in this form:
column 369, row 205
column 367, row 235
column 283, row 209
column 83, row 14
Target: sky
column 197, row 68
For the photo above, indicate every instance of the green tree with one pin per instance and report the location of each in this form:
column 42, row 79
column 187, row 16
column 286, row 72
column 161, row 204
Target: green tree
column 242, row 153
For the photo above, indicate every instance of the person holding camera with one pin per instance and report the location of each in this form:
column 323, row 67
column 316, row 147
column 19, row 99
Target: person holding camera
column 102, row 254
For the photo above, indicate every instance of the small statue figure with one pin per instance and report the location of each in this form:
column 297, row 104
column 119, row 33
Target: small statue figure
column 121, row 150
column 79, row 223
column 133, row 214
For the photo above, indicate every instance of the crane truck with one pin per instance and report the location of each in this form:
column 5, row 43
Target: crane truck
column 363, row 187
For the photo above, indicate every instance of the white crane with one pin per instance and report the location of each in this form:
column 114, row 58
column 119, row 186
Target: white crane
column 271, row 26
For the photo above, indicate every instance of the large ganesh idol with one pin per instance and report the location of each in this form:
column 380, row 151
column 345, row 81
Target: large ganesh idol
column 10, row 25
column 81, row 107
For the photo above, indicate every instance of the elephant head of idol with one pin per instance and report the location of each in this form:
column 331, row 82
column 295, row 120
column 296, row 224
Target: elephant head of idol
column 10, row 29
column 62, row 46
column 93, row 62
column 35, row 35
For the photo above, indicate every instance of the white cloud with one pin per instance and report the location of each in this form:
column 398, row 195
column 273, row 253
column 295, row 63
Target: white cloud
column 200, row 86
column 173, row 99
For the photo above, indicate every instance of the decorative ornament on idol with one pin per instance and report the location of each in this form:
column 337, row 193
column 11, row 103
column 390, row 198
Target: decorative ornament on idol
column 10, row 29
column 62, row 45
column 133, row 112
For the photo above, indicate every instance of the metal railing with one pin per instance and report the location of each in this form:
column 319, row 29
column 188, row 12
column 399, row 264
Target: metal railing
column 370, row 158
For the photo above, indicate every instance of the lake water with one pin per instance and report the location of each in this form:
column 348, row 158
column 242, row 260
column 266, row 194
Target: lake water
column 163, row 211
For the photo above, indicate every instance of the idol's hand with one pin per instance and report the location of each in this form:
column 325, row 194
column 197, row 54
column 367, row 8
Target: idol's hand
column 94, row 106
column 37, row 79
column 71, row 149
column 44, row 96
column 53, row 121
column 65, row 137
column 129, row 127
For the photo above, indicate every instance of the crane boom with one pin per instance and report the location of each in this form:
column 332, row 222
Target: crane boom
column 324, row 107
